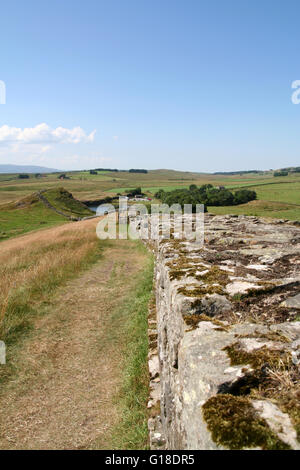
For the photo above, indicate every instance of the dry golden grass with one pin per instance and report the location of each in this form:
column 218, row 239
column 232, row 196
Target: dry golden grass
column 65, row 390
column 33, row 265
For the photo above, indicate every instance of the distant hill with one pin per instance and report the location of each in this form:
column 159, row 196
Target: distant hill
column 292, row 169
column 26, row 169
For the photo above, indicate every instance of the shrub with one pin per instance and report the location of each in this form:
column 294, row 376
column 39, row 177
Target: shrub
column 135, row 192
column 244, row 195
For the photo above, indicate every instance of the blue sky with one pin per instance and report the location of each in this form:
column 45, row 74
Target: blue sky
column 191, row 85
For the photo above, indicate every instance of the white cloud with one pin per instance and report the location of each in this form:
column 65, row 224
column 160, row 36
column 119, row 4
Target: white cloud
column 54, row 156
column 42, row 133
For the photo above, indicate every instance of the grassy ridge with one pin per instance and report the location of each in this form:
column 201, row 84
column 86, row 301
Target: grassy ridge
column 64, row 201
column 30, row 213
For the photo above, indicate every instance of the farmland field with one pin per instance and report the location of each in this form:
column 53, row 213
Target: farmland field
column 279, row 199
column 276, row 197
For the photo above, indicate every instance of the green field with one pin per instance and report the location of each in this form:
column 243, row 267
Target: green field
column 276, row 197
column 31, row 214
column 280, row 199
column 92, row 187
column 19, row 221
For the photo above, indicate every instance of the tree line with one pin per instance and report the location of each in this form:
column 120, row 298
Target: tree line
column 132, row 170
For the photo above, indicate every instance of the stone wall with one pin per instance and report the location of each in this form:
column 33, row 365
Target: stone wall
column 225, row 367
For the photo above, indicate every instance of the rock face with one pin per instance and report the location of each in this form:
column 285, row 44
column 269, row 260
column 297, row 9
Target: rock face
column 228, row 337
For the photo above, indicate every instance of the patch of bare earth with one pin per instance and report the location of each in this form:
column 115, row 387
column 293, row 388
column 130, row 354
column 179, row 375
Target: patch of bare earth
column 68, row 372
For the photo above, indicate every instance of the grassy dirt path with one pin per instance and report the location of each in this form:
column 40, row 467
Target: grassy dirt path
column 69, row 372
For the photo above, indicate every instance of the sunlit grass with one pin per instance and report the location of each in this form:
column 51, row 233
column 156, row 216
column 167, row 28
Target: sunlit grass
column 33, row 266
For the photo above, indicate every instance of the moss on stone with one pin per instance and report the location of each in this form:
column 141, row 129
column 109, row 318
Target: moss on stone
column 234, row 424
column 279, row 381
column 177, row 274
column 258, row 357
column 194, row 320
column 201, row 291
column 265, row 287
column 185, row 262
column 215, row 275
column 185, row 266
column 191, row 268
column 270, row 336
column 290, row 403
column 180, row 273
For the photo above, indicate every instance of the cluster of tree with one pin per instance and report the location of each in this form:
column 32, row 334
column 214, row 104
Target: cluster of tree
column 237, row 172
column 207, row 195
column 63, row 176
column 133, row 170
column 106, row 169
column 281, row 173
column 23, row 176
column 135, row 192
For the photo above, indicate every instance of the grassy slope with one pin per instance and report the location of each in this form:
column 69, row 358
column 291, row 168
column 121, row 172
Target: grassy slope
column 31, row 214
column 64, row 201
column 18, row 221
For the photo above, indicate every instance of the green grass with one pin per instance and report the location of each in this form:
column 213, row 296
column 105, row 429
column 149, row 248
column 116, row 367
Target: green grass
column 132, row 432
column 63, row 201
column 19, row 221
column 260, row 209
column 151, row 189
column 32, row 214
column 274, row 199
column 284, row 192
column 101, row 176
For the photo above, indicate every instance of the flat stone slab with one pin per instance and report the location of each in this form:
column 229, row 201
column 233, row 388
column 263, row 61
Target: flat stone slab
column 240, row 287
column 292, row 302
